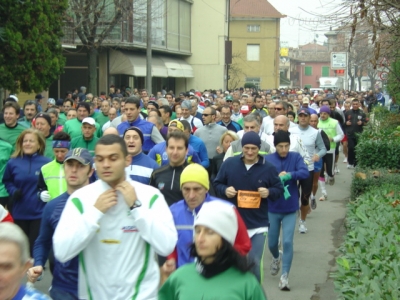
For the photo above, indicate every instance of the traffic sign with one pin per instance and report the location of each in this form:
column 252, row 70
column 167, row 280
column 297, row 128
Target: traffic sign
column 338, row 60
column 384, row 75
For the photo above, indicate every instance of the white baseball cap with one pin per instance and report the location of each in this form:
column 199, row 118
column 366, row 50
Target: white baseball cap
column 89, row 121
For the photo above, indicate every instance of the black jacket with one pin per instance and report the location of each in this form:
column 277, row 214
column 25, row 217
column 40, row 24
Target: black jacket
column 167, row 180
column 354, row 116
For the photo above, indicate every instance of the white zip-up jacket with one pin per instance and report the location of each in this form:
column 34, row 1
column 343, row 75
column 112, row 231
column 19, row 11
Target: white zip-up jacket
column 116, row 249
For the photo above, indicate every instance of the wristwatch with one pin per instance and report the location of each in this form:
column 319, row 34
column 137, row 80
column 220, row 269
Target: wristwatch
column 136, row 204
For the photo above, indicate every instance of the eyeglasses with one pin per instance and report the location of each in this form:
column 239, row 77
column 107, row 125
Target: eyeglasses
column 278, row 108
column 206, row 115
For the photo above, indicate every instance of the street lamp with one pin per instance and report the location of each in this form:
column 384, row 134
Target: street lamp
column 301, row 75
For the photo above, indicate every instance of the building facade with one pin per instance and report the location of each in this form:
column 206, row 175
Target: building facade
column 308, row 64
column 187, row 49
column 254, row 30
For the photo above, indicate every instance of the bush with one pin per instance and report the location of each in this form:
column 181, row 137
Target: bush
column 369, row 264
column 378, row 145
column 365, row 180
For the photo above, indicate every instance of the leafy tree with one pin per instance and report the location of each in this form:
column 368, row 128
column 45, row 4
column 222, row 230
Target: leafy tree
column 30, row 49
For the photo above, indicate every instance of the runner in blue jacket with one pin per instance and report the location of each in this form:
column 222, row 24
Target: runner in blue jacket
column 283, row 212
column 20, row 179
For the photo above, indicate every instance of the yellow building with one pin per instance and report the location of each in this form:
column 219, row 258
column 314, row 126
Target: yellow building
column 254, row 30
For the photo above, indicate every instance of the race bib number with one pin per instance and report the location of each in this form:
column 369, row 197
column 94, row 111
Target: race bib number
column 249, row 199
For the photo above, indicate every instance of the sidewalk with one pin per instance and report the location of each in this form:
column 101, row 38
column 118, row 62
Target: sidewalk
column 314, row 252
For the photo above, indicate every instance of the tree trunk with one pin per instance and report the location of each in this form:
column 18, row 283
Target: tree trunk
column 352, row 83
column 359, row 83
column 92, row 71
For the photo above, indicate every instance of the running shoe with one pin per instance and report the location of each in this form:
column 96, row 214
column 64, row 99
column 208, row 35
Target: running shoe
column 284, row 283
column 331, row 180
column 337, row 171
column 275, row 265
column 302, row 226
column 324, row 197
column 313, row 203
column 345, row 160
column 350, row 166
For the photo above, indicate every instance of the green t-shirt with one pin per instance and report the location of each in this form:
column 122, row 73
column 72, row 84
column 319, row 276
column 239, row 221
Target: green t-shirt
column 5, row 153
column 240, row 122
column 11, row 135
column 102, row 119
column 80, row 142
column 187, row 283
column 48, row 152
column 24, row 122
column 60, row 122
column 62, row 116
column 95, row 115
column 74, row 128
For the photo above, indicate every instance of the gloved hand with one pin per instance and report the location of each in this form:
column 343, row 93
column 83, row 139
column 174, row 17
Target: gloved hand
column 45, row 196
column 286, row 177
column 17, row 195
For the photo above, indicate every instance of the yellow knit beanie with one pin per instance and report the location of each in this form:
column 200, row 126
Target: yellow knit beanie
column 195, row 173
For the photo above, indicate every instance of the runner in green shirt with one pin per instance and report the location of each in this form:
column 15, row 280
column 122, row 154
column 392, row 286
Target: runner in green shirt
column 87, row 139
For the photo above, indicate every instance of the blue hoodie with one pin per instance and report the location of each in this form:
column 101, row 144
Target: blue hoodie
column 22, row 173
column 294, row 164
column 65, row 275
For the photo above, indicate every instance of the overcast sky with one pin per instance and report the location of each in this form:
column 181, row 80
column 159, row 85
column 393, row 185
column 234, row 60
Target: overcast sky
column 305, row 20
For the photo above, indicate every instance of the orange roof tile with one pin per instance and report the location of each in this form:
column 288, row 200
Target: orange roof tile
column 313, row 47
column 254, row 9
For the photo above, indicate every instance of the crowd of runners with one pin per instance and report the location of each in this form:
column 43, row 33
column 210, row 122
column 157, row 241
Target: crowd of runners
column 173, row 196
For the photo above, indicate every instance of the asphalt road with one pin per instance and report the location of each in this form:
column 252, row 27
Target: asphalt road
column 314, row 252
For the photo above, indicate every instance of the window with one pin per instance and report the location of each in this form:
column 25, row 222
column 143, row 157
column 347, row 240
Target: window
column 325, row 71
column 253, row 28
column 308, row 71
column 307, row 86
column 254, row 80
column 253, row 52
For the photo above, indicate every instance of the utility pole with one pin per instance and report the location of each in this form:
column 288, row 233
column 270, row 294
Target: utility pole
column 148, row 51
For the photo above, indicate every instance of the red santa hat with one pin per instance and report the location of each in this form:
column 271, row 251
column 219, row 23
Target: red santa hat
column 223, row 218
column 5, row 215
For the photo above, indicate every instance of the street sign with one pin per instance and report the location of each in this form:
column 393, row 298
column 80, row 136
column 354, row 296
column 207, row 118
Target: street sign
column 383, row 75
column 338, row 60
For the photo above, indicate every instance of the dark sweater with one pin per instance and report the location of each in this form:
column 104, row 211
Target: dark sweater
column 65, row 275
column 233, row 172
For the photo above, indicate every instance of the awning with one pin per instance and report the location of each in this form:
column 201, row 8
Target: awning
column 177, row 67
column 134, row 64
column 121, row 63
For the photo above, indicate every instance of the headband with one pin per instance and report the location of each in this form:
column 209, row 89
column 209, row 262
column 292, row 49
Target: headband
column 61, row 144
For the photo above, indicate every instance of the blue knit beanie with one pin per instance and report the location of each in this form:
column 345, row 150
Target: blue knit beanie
column 251, row 138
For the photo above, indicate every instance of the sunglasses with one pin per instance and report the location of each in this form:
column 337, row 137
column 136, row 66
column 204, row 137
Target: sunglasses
column 278, row 108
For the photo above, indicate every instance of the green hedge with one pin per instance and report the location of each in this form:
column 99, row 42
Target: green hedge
column 369, row 264
column 379, row 144
column 374, row 178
